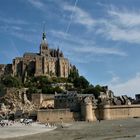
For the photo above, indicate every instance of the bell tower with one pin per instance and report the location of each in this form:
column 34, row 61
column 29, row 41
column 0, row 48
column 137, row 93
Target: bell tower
column 44, row 50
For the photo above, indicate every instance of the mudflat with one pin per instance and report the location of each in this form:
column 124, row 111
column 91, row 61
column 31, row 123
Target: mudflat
column 128, row 129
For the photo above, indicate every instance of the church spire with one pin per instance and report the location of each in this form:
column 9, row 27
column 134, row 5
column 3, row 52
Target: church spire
column 44, row 50
column 44, row 33
column 44, row 36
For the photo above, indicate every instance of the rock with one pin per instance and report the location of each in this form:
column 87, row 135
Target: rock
column 16, row 99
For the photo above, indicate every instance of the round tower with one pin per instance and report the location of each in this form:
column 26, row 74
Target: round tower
column 86, row 109
column 106, row 112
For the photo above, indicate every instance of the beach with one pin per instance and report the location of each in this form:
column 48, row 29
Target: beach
column 17, row 130
column 128, row 129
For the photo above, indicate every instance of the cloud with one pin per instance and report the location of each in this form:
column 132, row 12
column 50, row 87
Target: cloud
column 9, row 28
column 121, row 25
column 13, row 50
column 113, row 32
column 60, row 34
column 125, row 17
column 13, row 21
column 75, row 48
column 80, row 16
column 29, row 35
column 25, row 36
column 130, row 87
column 37, row 4
column 68, row 38
column 85, row 46
column 103, row 5
column 40, row 4
column 115, row 79
column 100, row 50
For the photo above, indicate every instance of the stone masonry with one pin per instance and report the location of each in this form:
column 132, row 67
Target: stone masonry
column 48, row 62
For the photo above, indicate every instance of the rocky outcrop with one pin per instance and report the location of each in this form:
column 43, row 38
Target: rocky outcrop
column 16, row 99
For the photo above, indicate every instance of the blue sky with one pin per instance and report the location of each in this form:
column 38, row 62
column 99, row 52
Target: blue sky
column 101, row 37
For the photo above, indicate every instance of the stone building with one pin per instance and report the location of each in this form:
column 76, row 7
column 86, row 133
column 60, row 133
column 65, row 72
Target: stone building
column 71, row 100
column 45, row 101
column 48, row 62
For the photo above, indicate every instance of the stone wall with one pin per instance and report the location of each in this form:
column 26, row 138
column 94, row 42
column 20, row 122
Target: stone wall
column 57, row 115
column 119, row 112
column 89, row 113
column 37, row 99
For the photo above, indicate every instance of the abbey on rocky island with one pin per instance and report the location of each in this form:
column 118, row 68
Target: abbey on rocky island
column 48, row 62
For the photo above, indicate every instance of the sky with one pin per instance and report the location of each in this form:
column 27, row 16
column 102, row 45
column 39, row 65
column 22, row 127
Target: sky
column 100, row 37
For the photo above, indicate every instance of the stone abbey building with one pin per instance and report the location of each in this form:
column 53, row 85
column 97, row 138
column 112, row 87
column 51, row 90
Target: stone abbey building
column 48, row 62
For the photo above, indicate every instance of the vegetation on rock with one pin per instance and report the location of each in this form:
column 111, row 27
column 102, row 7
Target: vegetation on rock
column 10, row 81
column 93, row 90
column 50, row 85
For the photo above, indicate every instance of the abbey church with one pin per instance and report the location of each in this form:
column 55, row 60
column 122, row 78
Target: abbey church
column 48, row 62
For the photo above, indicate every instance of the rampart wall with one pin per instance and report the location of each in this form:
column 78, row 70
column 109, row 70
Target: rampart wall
column 106, row 112
column 57, row 115
column 119, row 112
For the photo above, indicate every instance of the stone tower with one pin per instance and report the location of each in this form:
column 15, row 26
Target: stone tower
column 48, row 62
column 86, row 109
column 44, row 49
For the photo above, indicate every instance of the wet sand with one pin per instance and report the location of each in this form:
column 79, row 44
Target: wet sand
column 18, row 129
column 128, row 129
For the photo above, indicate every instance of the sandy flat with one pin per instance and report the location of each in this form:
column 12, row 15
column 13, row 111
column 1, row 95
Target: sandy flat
column 17, row 130
column 128, row 129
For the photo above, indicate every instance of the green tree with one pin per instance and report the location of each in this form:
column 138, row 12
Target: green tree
column 9, row 81
column 32, row 90
column 38, row 82
column 58, row 89
column 58, row 80
column 81, row 82
column 99, row 88
column 47, row 90
column 51, row 90
column 92, row 90
column 73, row 74
column 1, row 89
column 43, row 81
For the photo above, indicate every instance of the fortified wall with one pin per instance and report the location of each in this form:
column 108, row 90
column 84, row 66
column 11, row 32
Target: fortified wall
column 119, row 112
column 57, row 115
column 89, row 113
column 84, row 107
